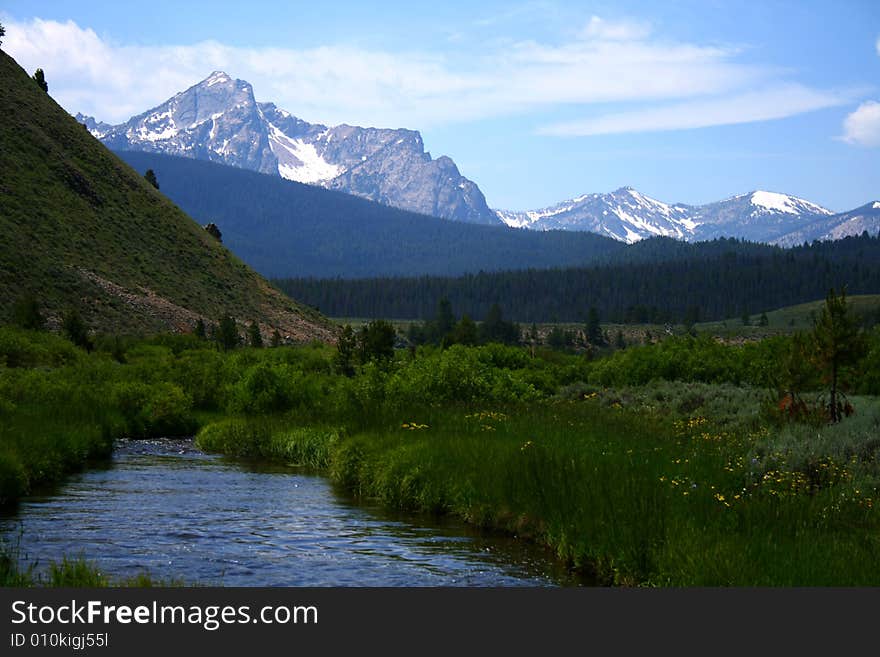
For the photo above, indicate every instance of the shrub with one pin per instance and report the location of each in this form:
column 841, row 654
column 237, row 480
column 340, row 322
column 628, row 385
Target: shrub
column 264, row 388
column 154, row 410
column 20, row 348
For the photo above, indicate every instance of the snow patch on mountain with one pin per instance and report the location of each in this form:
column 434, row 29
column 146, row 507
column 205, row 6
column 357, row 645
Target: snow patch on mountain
column 625, row 214
column 217, row 77
column 298, row 160
column 156, row 127
column 776, row 202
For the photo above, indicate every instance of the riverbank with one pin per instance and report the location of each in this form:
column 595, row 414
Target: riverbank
column 68, row 573
column 664, row 464
column 632, row 495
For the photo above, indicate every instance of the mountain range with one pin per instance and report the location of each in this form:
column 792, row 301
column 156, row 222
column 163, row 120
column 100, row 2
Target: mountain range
column 760, row 216
column 219, row 120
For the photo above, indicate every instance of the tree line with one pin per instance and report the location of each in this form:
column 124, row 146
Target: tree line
column 699, row 282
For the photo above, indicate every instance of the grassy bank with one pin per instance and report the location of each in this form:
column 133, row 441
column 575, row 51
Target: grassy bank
column 69, row 572
column 638, row 495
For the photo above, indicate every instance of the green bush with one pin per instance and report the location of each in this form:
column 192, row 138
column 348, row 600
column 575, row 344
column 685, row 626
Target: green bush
column 151, row 410
column 503, row 357
column 263, row 389
column 13, row 477
column 867, row 377
column 205, row 376
column 21, row 348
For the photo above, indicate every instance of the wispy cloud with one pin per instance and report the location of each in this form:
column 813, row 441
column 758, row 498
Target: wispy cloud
column 606, row 61
column 862, row 127
column 598, row 28
column 772, row 103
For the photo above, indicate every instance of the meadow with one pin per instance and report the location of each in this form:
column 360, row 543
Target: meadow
column 668, row 464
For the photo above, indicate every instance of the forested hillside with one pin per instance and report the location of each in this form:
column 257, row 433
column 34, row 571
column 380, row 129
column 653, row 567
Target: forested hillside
column 695, row 282
column 284, row 228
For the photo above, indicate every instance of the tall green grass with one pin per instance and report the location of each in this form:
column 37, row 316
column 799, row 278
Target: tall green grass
column 636, row 497
column 271, row 440
column 69, row 572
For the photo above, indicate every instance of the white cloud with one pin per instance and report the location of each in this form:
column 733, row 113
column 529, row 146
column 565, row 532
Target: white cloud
column 862, row 127
column 607, row 62
column 772, row 103
column 598, row 28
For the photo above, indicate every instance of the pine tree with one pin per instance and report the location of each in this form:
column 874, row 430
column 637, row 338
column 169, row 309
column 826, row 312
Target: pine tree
column 838, row 341
column 691, row 317
column 227, row 334
column 150, row 177
column 444, row 320
column 465, row 332
column 556, row 338
column 346, row 347
column 214, row 232
column 276, row 339
column 495, row 329
column 594, row 329
column 199, row 331
column 255, row 337
column 75, row 329
column 2, row 33
column 40, row 79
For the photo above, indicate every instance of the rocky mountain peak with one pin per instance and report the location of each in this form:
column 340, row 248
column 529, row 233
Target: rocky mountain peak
column 219, row 120
column 761, row 216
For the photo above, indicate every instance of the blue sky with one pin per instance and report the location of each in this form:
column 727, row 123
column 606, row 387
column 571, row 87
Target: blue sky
column 535, row 101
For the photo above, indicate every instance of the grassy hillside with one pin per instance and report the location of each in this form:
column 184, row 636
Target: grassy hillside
column 81, row 228
column 791, row 318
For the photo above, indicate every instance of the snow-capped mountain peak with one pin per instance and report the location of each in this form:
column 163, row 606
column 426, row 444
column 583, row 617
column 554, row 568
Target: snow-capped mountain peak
column 838, row 226
column 97, row 128
column 217, row 77
column 219, row 120
column 785, row 204
column 628, row 215
column 624, row 214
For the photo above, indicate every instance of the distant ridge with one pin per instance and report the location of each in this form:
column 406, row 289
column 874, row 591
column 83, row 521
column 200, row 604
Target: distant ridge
column 283, row 228
column 629, row 216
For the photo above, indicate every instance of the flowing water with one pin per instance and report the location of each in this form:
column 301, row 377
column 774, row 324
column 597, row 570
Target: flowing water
column 164, row 507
